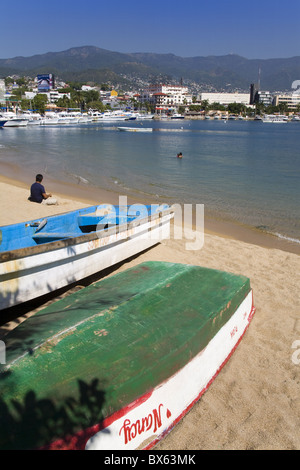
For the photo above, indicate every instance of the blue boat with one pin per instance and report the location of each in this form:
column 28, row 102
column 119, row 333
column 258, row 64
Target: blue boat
column 40, row 256
column 3, row 122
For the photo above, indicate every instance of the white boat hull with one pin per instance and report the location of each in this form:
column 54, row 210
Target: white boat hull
column 135, row 129
column 16, row 123
column 48, row 267
column 49, row 121
column 146, row 421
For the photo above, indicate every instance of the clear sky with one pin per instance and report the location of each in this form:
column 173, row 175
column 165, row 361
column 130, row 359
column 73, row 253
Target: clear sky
column 188, row 28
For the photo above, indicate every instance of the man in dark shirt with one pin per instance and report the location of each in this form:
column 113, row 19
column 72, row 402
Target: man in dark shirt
column 37, row 190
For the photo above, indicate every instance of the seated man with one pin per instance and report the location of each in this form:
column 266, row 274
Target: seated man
column 38, row 193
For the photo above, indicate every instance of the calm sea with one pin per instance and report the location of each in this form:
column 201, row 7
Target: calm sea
column 241, row 171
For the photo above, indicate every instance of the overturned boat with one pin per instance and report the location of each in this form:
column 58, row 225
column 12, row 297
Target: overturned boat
column 115, row 365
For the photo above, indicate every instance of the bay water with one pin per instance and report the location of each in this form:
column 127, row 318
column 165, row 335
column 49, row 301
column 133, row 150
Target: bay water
column 246, row 172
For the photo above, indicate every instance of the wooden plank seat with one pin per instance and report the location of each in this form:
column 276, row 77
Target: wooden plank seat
column 47, row 237
column 108, row 220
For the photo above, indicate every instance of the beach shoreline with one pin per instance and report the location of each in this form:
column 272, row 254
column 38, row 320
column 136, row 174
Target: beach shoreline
column 254, row 401
column 86, row 195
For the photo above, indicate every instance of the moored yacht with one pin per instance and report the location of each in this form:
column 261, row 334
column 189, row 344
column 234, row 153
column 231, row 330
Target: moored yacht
column 144, row 116
column 275, row 118
column 177, row 116
column 13, row 119
column 117, row 115
column 50, row 118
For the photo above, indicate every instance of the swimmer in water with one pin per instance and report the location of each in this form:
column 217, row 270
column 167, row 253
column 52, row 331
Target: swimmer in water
column 179, row 155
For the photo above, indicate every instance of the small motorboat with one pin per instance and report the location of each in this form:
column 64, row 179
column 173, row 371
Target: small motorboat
column 135, row 129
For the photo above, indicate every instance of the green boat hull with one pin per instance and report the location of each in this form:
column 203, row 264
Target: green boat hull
column 82, row 362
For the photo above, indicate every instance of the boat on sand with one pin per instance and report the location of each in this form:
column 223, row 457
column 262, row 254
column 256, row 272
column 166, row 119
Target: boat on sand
column 40, row 256
column 115, row 365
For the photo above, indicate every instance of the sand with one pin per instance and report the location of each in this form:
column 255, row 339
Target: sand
column 254, row 402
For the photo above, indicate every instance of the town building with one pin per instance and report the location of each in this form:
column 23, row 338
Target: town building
column 52, row 95
column 166, row 97
column 2, row 92
column 265, row 97
column 226, row 98
column 45, row 82
column 254, row 89
column 292, row 100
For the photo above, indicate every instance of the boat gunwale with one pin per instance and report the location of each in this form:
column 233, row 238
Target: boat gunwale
column 85, row 237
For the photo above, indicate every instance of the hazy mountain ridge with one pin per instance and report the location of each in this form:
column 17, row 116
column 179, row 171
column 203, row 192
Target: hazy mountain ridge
column 216, row 71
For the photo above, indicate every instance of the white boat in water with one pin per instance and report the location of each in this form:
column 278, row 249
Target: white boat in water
column 135, row 129
column 275, row 118
column 63, row 118
column 84, row 118
column 73, row 118
column 15, row 122
column 33, row 118
column 177, row 116
column 117, row 115
column 13, row 119
column 50, row 119
column 95, row 115
column 143, row 116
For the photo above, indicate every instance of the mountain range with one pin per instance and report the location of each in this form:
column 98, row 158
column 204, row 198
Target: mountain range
column 90, row 63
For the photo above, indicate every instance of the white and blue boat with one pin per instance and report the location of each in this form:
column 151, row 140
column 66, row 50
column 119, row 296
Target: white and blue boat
column 40, row 256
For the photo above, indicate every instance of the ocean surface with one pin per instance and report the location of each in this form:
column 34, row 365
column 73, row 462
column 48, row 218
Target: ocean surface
column 246, row 172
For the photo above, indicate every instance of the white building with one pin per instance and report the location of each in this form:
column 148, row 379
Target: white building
column 52, row 95
column 166, row 97
column 29, row 95
column 2, row 92
column 226, row 98
column 88, row 88
column 292, row 100
column 265, row 97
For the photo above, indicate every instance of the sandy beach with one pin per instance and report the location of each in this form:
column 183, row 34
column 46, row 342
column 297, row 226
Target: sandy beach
column 254, row 402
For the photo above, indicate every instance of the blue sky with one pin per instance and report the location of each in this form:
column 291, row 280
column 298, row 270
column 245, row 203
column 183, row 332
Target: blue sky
column 252, row 28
